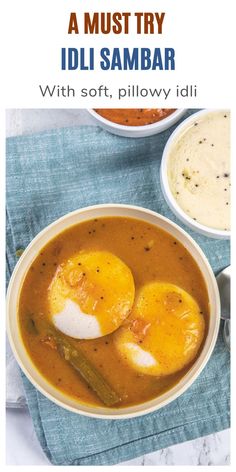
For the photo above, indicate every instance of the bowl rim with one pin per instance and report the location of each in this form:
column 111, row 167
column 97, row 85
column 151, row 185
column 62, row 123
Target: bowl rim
column 169, row 197
column 158, row 124
column 192, row 373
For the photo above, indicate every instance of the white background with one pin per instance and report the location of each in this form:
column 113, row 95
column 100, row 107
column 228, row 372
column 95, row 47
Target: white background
column 199, row 31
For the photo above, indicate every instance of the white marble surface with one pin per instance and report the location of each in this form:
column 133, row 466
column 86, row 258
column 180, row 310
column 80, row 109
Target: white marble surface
column 22, row 447
column 33, row 121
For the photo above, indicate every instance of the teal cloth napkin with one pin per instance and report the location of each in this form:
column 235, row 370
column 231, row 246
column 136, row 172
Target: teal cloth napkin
column 50, row 174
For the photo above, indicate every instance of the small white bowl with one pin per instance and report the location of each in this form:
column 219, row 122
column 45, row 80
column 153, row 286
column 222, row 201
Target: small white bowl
column 169, row 197
column 22, row 267
column 137, row 131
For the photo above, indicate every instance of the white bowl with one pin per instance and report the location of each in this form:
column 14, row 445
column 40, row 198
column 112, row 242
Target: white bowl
column 137, row 131
column 169, row 197
column 19, row 274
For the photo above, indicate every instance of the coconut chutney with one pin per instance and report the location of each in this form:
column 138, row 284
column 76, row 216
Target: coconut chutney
column 199, row 169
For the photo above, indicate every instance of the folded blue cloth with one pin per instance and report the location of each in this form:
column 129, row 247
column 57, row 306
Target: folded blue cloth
column 50, row 174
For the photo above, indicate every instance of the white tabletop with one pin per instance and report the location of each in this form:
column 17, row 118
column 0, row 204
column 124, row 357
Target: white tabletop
column 22, row 446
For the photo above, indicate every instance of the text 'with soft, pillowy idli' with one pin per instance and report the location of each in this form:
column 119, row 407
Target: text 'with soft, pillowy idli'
column 91, row 294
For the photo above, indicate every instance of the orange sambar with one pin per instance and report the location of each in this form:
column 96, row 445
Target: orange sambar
column 152, row 255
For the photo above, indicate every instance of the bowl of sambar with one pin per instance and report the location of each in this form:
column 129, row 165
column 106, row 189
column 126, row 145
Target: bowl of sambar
column 112, row 311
